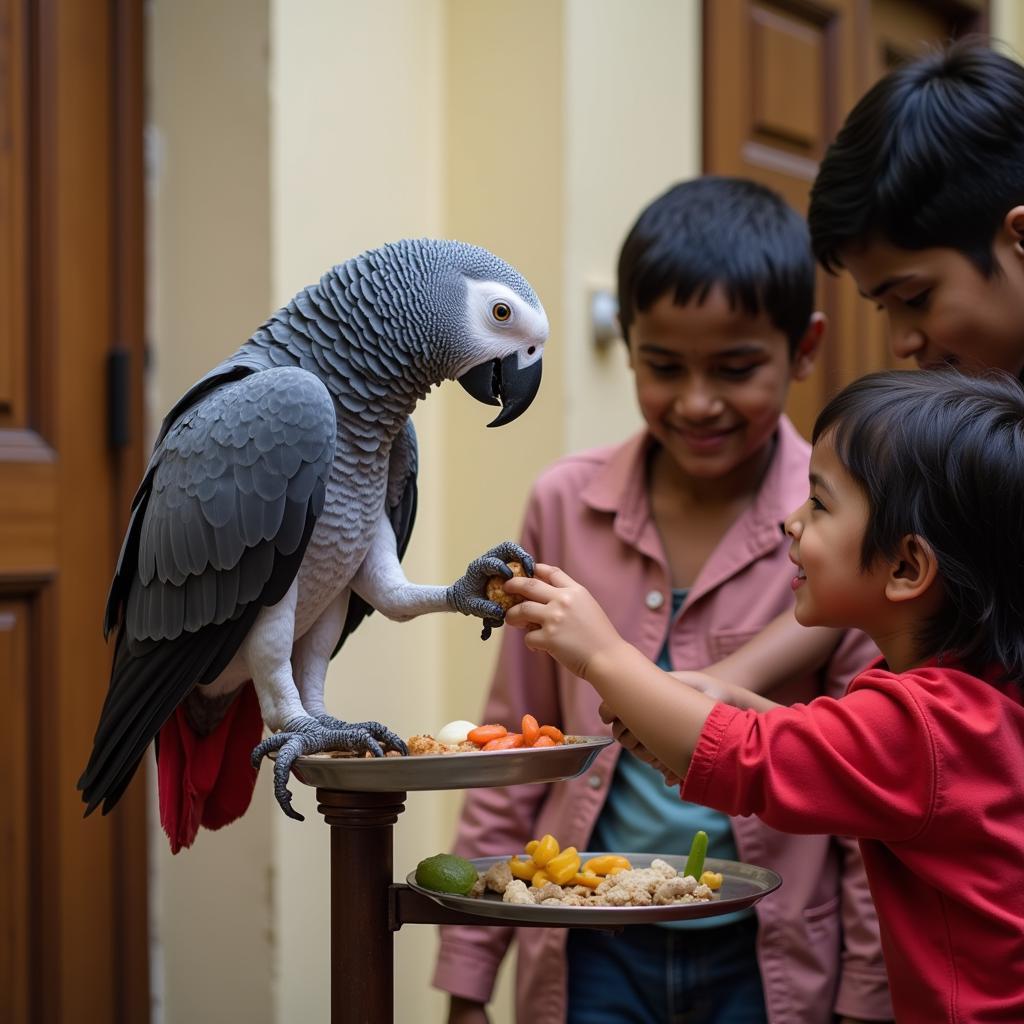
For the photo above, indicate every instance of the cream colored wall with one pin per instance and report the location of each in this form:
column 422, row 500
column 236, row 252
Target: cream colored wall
column 209, row 286
column 538, row 136
column 1007, row 17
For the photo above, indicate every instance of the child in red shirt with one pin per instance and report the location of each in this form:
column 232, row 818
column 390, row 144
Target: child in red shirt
column 912, row 533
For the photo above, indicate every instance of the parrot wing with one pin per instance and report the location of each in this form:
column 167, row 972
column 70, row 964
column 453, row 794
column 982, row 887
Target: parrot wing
column 401, row 512
column 218, row 531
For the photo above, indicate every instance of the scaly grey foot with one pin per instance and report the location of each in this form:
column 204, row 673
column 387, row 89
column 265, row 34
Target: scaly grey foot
column 308, row 736
column 387, row 739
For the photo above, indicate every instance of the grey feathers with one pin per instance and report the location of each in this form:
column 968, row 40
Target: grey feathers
column 236, row 477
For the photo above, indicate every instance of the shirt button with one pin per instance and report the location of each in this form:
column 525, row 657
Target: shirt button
column 654, row 600
column 594, row 782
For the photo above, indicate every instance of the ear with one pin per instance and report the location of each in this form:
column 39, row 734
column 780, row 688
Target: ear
column 807, row 347
column 914, row 570
column 1013, row 228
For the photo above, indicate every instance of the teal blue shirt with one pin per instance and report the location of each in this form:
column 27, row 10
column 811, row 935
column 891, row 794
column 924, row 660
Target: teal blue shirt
column 643, row 815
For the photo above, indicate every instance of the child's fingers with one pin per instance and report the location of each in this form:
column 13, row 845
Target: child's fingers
column 531, row 588
column 553, row 575
column 525, row 614
column 607, row 715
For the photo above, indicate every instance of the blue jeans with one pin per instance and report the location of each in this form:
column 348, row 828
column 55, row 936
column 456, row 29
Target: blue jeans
column 647, row 974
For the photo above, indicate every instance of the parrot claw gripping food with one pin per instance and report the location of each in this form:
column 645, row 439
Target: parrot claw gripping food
column 274, row 515
column 467, row 594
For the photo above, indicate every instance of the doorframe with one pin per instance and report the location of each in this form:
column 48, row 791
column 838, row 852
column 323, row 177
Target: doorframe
column 131, row 850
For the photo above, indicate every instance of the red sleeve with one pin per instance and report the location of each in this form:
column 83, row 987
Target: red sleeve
column 861, row 766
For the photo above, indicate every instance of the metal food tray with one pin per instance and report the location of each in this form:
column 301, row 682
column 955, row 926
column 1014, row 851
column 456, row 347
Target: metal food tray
column 451, row 771
column 742, row 886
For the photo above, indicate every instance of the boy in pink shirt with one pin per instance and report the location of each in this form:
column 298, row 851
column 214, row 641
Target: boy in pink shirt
column 912, row 532
column 678, row 533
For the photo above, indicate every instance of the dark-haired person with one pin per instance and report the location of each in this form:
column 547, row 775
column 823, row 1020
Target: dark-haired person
column 912, row 534
column 677, row 530
column 921, row 199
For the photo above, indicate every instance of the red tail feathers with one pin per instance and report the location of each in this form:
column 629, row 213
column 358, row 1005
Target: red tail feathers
column 207, row 780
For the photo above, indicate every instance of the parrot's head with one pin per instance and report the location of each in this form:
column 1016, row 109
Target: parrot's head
column 501, row 340
column 466, row 315
column 420, row 311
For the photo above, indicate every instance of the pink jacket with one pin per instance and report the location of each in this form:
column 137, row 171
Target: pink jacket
column 818, row 944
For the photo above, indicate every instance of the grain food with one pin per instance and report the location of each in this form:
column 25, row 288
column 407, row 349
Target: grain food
column 496, row 587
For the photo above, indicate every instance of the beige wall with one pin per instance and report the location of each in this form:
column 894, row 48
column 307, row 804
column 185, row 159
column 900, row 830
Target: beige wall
column 209, row 286
column 1008, row 25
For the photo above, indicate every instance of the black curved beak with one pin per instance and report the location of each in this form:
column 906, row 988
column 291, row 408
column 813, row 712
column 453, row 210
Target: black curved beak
column 503, row 382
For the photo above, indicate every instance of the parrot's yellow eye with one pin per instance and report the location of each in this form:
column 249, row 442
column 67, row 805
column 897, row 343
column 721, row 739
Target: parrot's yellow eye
column 501, row 312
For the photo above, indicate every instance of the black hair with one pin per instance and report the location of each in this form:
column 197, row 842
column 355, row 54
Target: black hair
column 729, row 232
column 941, row 455
column 931, row 156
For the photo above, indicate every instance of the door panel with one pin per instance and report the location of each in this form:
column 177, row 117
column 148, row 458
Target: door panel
column 779, row 77
column 72, row 892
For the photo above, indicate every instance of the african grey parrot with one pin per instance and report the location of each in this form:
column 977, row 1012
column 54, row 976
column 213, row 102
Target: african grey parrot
column 275, row 511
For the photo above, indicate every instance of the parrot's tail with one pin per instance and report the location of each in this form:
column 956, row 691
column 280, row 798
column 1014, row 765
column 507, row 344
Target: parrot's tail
column 207, row 779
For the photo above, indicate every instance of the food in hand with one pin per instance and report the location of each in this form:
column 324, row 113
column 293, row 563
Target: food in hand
column 496, row 587
column 445, row 872
column 454, row 733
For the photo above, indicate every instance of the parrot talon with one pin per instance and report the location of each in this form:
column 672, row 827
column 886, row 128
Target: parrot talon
column 319, row 735
column 467, row 594
column 386, row 739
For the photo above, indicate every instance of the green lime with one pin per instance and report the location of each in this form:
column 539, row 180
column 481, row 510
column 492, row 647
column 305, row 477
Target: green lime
column 444, row 872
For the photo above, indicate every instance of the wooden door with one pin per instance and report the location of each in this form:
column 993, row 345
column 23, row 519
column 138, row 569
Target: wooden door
column 73, row 943
column 779, row 77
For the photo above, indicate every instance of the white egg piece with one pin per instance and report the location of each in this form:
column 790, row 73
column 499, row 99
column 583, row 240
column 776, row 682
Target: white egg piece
column 454, row 732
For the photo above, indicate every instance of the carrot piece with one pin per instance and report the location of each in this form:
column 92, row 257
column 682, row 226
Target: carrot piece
column 544, row 741
column 509, row 741
column 531, row 730
column 485, row 733
column 554, row 732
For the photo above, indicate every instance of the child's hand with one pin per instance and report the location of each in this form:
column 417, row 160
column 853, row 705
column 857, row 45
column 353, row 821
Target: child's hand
column 562, row 618
column 725, row 692
column 634, row 746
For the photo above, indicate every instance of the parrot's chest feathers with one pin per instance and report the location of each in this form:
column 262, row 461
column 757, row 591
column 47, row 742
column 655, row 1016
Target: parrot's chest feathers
column 353, row 506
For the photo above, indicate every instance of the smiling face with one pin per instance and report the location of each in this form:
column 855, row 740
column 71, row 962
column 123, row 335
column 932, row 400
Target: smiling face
column 940, row 307
column 712, row 382
column 831, row 587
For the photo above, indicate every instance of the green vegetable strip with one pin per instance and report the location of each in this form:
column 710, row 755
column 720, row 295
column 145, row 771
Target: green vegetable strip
column 698, row 851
